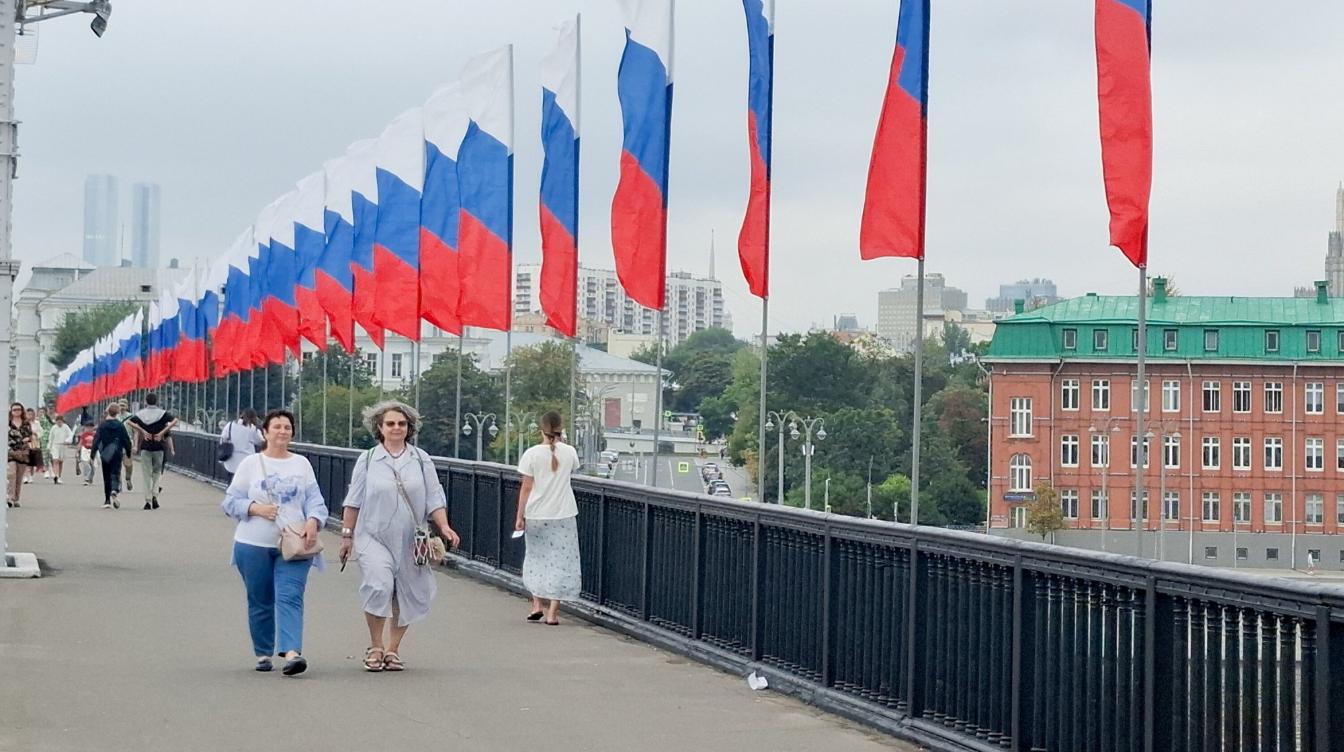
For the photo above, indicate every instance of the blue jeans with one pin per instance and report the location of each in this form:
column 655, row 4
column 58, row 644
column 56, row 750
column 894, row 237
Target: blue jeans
column 274, row 597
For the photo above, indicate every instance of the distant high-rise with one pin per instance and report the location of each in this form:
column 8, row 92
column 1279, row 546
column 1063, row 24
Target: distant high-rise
column 100, row 220
column 896, row 309
column 1334, row 250
column 145, row 225
column 1033, row 292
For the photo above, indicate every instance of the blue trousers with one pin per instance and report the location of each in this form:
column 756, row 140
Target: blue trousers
column 274, row 598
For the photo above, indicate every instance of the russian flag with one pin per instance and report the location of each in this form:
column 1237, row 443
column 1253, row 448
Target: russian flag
column 446, row 121
column 280, row 311
column 639, row 209
column 309, row 241
column 252, row 354
column 213, row 285
column 400, row 174
column 893, row 207
column 126, row 378
column 559, row 208
column 753, row 242
column 237, row 313
column 485, row 183
column 333, row 276
column 1125, row 103
column 364, row 207
column 161, row 358
column 189, row 344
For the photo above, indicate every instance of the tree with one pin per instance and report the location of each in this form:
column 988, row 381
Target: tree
column 481, row 393
column 339, row 415
column 703, row 375
column 960, row 413
column 1045, row 516
column 717, row 416
column 541, row 378
column 890, row 496
column 1172, row 289
column 648, row 354
column 80, row 329
column 955, row 339
column 313, row 377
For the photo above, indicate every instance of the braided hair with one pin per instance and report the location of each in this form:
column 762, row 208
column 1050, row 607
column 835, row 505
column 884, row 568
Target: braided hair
column 551, row 428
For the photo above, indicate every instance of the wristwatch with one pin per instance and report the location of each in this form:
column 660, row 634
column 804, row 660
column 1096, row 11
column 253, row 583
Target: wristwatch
column 347, row 532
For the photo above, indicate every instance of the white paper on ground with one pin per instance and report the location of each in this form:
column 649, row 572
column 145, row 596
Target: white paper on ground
column 757, row 682
column 517, row 534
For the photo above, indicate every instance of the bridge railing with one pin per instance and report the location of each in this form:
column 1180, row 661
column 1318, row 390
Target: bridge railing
column 954, row 639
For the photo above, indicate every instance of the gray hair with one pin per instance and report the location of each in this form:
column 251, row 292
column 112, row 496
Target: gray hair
column 373, row 418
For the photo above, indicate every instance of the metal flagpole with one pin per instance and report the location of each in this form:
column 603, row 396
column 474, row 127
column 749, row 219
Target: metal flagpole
column 415, row 375
column 326, row 356
column 266, row 388
column 457, row 400
column 658, row 397
column 574, row 355
column 760, row 435
column 919, row 396
column 382, row 365
column 508, row 387
column 1139, row 395
column 573, row 385
column 350, row 410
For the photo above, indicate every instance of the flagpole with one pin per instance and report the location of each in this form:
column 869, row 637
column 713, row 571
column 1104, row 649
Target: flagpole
column 415, row 375
column 382, row 364
column 326, row 355
column 573, row 382
column 919, row 396
column 266, row 388
column 508, row 383
column 457, row 399
column 658, row 397
column 760, row 422
column 1139, row 396
column 578, row 119
column 350, row 410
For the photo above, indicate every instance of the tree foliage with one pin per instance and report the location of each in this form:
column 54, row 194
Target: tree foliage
column 1044, row 516
column 481, row 394
column 80, row 329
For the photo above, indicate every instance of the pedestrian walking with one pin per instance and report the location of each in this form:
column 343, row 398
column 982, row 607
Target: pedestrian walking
column 243, row 438
column 35, row 463
column 128, row 461
column 151, row 425
column 57, row 439
column 84, row 458
column 20, row 451
column 275, row 491
column 394, row 491
column 110, row 445
column 548, row 513
column 45, row 421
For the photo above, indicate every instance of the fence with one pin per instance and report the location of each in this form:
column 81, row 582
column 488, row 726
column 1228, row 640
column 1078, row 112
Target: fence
column 953, row 639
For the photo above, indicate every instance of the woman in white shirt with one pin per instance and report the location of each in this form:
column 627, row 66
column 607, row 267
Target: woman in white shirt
column 57, row 438
column 271, row 489
column 244, row 436
column 548, row 512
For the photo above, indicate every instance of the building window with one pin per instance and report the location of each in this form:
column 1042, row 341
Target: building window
column 1019, row 416
column 1273, row 507
column 1272, row 554
column 1213, row 396
column 1019, row 473
column 1211, row 503
column 1171, row 505
column 1315, row 401
column 1171, row 396
column 1241, row 396
column 1210, row 340
column 1341, row 340
column 1271, row 340
column 1315, row 454
column 1315, row 509
column 1273, row 396
column 371, row 362
column 1242, row 554
column 1339, row 398
column 1171, row 451
column 1070, row 337
column 396, row 365
column 1133, row 451
column 1169, row 340
column 1313, row 340
column 1068, row 450
column 1099, row 339
column 1241, row 452
column 1134, row 395
column 1212, row 452
column 1241, row 507
column 1339, row 509
column 1134, row 508
column 1068, row 394
column 1100, row 509
column 1210, row 552
column 1134, row 339
column 1101, row 395
column 1273, row 453
column 1101, row 450
column 1068, row 503
column 1017, row 517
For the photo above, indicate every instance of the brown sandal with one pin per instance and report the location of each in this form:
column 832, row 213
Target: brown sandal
column 371, row 663
column 392, row 662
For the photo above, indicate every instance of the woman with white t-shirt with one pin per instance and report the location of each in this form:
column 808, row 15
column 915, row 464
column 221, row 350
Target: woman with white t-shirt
column 548, row 512
column 244, row 437
column 271, row 489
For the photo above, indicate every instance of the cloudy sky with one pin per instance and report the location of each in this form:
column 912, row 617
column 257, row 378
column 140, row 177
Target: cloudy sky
column 226, row 105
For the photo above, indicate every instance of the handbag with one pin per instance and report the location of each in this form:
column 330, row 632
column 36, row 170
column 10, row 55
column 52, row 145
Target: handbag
column 425, row 548
column 292, row 546
column 20, row 456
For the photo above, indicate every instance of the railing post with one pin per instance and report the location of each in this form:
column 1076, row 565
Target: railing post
column 914, row 653
column 601, row 593
column 1329, row 679
column 1151, row 649
column 646, row 569
column 757, row 572
column 827, row 608
column 472, row 513
column 697, row 574
column 505, row 527
column 1021, row 632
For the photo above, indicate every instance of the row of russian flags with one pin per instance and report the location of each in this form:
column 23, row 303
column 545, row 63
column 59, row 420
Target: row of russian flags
column 417, row 223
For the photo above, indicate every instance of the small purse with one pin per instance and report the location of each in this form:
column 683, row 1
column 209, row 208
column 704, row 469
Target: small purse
column 425, row 548
column 20, row 456
column 292, row 546
column 224, row 451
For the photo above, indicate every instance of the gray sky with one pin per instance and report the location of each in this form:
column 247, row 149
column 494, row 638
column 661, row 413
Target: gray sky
column 226, row 105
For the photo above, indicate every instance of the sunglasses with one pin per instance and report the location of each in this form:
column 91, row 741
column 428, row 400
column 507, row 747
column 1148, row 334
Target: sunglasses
column 395, row 423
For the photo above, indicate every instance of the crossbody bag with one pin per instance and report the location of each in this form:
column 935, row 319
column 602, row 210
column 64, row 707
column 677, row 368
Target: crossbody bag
column 425, row 548
column 292, row 546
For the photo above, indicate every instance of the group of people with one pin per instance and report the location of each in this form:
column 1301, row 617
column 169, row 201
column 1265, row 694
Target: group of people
column 394, row 506
column 38, row 444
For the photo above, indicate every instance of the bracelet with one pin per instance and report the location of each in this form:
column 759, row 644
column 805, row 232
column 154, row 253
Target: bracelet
column 347, row 537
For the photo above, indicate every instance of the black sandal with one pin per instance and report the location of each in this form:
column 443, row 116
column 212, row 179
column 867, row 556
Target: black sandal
column 297, row 665
column 535, row 616
column 264, row 664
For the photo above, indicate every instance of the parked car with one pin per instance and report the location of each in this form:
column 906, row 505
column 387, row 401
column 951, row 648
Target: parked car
column 717, row 484
column 721, row 491
column 610, row 456
column 598, row 469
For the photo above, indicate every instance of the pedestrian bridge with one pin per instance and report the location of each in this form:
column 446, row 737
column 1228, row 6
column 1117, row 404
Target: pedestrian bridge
column 952, row 640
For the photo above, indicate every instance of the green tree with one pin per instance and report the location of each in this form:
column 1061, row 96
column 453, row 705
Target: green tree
column 890, row 496
column 956, row 340
column 701, row 376
column 481, row 393
column 717, row 413
column 541, row 378
column 1044, row 516
column 314, row 377
column 339, row 416
column 960, row 412
column 80, row 329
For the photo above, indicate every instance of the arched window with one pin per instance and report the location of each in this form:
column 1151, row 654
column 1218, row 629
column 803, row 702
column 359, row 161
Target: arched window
column 1019, row 473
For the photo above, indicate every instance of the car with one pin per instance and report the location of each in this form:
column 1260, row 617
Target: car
column 709, row 466
column 716, row 484
column 610, row 456
column 721, row 491
column 598, row 469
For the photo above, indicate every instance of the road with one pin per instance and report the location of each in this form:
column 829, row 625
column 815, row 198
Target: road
column 681, row 472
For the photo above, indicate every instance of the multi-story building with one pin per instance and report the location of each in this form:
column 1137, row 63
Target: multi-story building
column 1033, row 292
column 145, row 225
column 693, row 303
column 896, row 309
column 101, row 221
column 1243, row 426
column 1334, row 250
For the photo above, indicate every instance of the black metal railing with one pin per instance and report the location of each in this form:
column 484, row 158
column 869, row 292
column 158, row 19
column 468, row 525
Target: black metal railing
column 956, row 639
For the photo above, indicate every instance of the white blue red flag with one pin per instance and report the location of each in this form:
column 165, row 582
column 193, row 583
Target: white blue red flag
column 1125, row 104
column 399, row 157
column 309, row 239
column 559, row 208
column 639, row 208
column 485, row 185
column 364, row 208
column 893, row 208
column 753, row 242
column 279, row 264
column 334, row 277
column 446, row 122
column 235, row 320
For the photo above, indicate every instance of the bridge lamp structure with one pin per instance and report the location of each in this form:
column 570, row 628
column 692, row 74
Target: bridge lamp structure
column 480, row 420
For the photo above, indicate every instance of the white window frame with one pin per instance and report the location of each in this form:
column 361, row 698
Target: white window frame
column 396, row 365
column 1068, row 503
column 1316, row 348
column 1241, row 453
column 1339, row 509
column 1241, row 507
column 1069, row 339
column 1211, row 501
column 1170, row 340
column 1339, row 455
column 1070, row 393
column 1211, row 394
column 1101, row 395
column 1211, row 452
column 1207, row 334
column 1171, row 505
column 1019, row 472
column 1339, row 398
column 1171, row 396
column 1274, row 397
column 1101, row 340
column 1134, row 395
column 1017, row 517
column 1273, row 508
column 1171, row 452
column 1019, row 417
column 1315, row 502
column 1099, row 504
column 1313, row 401
column 1134, row 451
column 1100, row 450
column 1273, row 455
column 1068, row 450
column 1273, row 340
column 1241, row 396
column 1314, row 459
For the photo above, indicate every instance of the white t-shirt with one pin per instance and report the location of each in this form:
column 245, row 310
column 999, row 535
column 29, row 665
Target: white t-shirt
column 289, row 482
column 552, row 497
column 245, row 439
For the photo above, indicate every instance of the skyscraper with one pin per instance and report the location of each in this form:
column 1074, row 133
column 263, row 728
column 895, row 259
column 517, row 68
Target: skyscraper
column 145, row 225
column 1334, row 253
column 100, row 220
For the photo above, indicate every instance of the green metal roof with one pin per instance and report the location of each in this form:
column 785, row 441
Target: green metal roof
column 1240, row 325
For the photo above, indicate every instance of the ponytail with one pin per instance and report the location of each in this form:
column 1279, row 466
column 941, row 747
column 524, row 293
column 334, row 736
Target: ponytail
column 551, row 429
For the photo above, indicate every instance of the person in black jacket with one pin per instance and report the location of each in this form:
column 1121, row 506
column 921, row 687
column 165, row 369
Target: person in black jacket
column 110, row 445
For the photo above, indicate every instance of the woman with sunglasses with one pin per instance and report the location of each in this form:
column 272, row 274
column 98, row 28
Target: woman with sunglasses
column 394, row 490
column 20, row 448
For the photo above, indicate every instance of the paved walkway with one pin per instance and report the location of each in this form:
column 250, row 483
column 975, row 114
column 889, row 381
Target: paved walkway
column 135, row 638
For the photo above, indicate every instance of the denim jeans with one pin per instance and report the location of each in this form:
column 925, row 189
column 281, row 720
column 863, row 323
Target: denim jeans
column 274, row 598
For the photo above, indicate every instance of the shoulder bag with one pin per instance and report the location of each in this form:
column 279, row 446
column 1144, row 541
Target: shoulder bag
column 425, row 548
column 225, row 449
column 292, row 547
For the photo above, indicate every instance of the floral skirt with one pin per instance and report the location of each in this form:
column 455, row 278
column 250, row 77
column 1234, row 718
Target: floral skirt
column 551, row 567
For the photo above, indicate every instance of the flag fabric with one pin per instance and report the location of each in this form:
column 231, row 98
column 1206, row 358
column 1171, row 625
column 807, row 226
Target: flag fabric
column 251, row 343
column 211, row 297
column 127, row 375
column 333, row 277
column 309, row 241
column 893, row 207
column 446, row 122
column 639, row 208
column 364, row 210
column 753, row 242
column 1125, row 104
column 399, row 160
column 229, row 353
column 485, row 185
column 559, row 207
column 279, row 264
column 189, row 356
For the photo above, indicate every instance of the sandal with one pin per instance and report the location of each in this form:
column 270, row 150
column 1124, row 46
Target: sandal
column 371, row 663
column 535, row 616
column 392, row 662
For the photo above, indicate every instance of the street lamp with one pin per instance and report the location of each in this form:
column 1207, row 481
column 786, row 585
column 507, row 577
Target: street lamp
column 773, row 418
column 520, row 421
column 808, row 448
column 480, row 420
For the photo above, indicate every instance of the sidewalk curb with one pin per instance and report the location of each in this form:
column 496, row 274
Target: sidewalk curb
column 20, row 566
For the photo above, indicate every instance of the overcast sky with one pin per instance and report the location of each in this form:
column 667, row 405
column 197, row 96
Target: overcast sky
column 226, row 105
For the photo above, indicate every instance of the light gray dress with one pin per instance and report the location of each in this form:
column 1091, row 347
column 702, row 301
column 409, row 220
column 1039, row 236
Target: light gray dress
column 385, row 530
